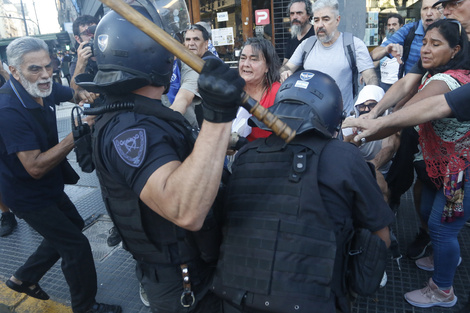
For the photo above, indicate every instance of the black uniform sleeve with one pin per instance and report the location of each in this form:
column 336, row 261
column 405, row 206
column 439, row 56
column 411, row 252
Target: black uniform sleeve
column 138, row 149
column 458, row 101
column 349, row 188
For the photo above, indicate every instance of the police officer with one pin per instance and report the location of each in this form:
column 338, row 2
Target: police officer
column 290, row 208
column 159, row 182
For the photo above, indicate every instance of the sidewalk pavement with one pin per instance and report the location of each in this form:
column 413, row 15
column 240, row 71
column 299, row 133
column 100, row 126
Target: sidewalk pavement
column 117, row 282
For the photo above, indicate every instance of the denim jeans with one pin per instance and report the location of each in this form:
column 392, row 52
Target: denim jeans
column 443, row 234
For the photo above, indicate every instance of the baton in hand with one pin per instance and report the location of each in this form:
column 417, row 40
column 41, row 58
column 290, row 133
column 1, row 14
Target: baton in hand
column 196, row 63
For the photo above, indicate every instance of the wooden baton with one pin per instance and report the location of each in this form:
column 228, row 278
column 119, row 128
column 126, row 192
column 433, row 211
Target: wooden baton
column 196, row 63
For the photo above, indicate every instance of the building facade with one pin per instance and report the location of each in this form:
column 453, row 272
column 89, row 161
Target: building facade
column 233, row 21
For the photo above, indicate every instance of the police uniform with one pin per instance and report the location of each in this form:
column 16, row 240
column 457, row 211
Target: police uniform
column 291, row 209
column 128, row 148
column 136, row 135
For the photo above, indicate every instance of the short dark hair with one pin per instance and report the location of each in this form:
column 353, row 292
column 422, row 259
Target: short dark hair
column 82, row 21
column 308, row 6
column 396, row 15
column 202, row 29
column 266, row 48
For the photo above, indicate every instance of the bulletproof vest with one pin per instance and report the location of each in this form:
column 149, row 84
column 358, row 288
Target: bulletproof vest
column 278, row 252
column 173, row 245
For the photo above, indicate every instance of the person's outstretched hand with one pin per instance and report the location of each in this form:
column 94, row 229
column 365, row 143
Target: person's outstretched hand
column 365, row 127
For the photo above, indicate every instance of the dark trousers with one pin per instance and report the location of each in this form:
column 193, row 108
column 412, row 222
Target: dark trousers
column 61, row 226
column 164, row 287
column 401, row 175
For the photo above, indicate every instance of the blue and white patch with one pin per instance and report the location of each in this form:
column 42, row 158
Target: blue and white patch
column 306, row 75
column 131, row 146
column 102, row 42
column 301, row 84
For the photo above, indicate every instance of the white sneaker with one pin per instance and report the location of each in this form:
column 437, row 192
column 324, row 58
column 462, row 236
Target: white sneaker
column 431, row 296
column 143, row 296
column 427, row 263
column 383, row 282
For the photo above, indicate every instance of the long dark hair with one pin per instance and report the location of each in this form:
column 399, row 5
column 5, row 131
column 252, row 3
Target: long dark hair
column 273, row 63
column 455, row 35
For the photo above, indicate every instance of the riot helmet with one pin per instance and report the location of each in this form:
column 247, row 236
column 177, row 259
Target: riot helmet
column 127, row 58
column 310, row 101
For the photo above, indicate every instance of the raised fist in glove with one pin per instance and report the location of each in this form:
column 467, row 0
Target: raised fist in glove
column 221, row 88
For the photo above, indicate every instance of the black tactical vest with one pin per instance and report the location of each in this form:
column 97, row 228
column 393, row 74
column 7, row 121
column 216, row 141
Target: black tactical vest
column 278, row 252
column 173, row 245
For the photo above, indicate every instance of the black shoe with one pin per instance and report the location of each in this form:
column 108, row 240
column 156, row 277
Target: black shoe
column 417, row 249
column 7, row 224
column 114, row 237
column 104, row 308
column 25, row 287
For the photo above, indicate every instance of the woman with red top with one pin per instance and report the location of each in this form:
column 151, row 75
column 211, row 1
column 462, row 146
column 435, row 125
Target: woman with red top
column 445, row 146
column 259, row 67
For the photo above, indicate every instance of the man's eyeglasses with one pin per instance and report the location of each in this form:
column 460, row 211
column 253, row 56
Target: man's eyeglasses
column 450, row 5
column 90, row 31
column 366, row 105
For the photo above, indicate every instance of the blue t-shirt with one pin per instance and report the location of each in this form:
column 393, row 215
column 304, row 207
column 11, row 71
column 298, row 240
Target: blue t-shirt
column 20, row 131
column 175, row 81
column 415, row 49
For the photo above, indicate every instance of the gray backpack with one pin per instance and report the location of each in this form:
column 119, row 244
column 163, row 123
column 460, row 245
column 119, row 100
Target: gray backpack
column 349, row 51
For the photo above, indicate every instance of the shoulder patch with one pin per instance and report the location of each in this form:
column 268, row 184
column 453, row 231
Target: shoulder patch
column 131, row 146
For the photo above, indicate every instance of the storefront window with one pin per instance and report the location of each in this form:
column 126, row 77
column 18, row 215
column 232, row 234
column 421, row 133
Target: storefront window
column 232, row 21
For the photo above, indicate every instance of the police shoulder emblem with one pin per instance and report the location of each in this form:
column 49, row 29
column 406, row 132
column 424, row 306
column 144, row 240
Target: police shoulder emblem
column 131, row 146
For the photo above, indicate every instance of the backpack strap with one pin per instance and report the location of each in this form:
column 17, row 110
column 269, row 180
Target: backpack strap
column 309, row 44
column 350, row 51
column 406, row 48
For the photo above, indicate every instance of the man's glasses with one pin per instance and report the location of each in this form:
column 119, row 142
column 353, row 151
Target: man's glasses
column 450, row 5
column 90, row 31
column 369, row 106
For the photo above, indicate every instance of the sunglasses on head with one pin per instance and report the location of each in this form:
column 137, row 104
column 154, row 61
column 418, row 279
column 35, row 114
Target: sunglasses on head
column 458, row 23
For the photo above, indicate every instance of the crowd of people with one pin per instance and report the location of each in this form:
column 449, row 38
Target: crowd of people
column 270, row 230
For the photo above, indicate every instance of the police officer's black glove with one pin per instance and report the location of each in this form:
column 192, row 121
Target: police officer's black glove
column 221, row 88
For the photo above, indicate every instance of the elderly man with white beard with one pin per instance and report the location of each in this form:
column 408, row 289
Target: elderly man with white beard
column 32, row 163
